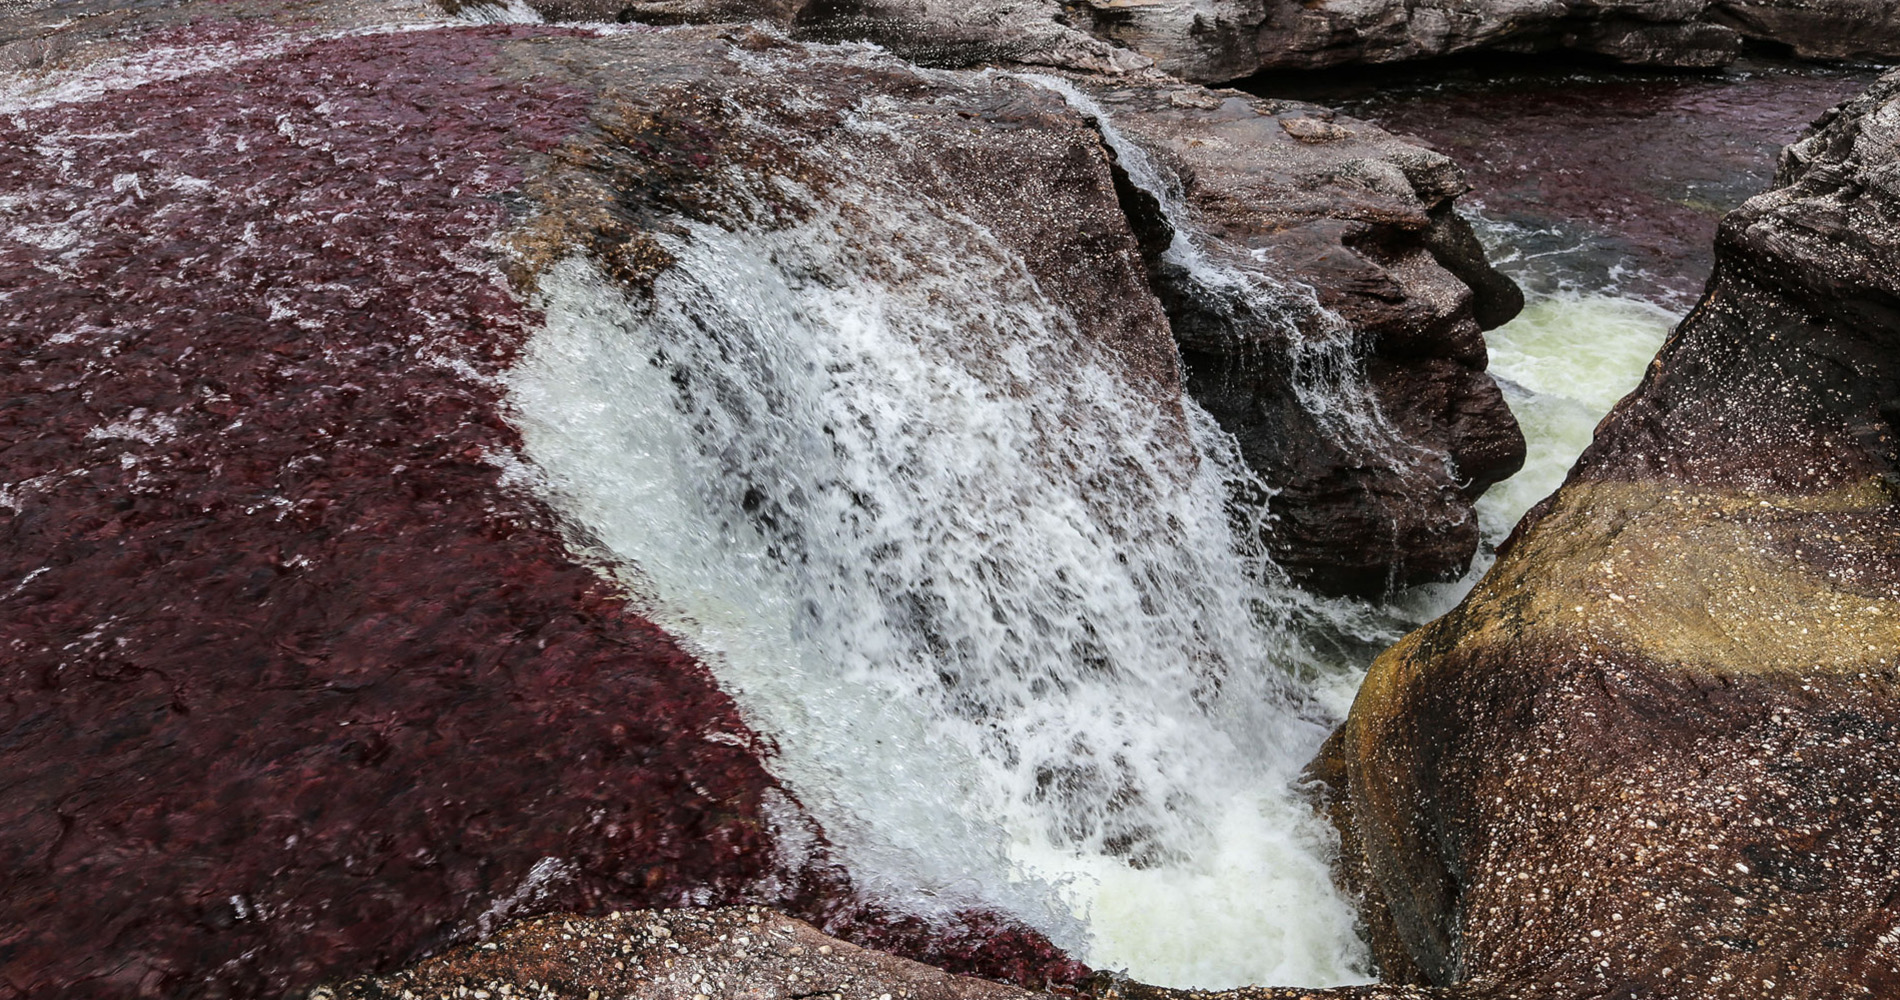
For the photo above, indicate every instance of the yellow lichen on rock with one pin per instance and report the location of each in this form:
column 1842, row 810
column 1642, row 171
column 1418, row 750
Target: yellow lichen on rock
column 1721, row 582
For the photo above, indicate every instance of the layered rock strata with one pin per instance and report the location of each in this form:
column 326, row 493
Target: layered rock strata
column 1652, row 753
column 1328, row 303
column 1227, row 39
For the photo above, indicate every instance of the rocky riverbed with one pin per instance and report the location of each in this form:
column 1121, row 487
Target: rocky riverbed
column 1648, row 755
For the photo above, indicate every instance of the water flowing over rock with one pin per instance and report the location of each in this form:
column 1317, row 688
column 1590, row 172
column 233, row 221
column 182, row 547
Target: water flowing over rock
column 1327, row 301
column 301, row 678
column 317, row 668
column 1652, row 753
column 1328, row 314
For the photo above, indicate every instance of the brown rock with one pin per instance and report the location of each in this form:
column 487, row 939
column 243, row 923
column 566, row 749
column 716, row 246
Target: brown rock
column 1331, row 326
column 1651, row 754
column 730, row 954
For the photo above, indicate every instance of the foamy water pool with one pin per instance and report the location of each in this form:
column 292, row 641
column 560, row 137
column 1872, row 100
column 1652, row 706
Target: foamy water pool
column 1563, row 363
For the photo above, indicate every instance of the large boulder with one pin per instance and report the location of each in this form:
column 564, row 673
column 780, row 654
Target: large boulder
column 1328, row 302
column 300, row 679
column 1652, row 753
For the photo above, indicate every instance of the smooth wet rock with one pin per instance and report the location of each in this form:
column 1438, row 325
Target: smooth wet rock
column 1652, row 754
column 1328, row 317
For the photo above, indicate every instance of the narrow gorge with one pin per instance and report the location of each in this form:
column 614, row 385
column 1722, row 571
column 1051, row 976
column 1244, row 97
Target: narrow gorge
column 705, row 498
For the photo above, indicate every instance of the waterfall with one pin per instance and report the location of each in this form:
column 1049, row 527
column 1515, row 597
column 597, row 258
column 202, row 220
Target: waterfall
column 986, row 597
column 1325, row 368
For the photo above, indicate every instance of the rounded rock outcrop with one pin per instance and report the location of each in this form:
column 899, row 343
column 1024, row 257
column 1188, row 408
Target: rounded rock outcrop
column 1648, row 755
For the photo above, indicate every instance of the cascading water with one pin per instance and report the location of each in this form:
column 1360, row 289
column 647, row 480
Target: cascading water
column 1322, row 351
column 987, row 597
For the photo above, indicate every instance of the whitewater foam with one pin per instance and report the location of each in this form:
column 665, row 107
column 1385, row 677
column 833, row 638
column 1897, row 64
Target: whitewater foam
column 985, row 596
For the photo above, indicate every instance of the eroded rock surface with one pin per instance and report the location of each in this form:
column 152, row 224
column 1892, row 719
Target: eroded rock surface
column 738, row 953
column 1323, row 298
column 1652, row 754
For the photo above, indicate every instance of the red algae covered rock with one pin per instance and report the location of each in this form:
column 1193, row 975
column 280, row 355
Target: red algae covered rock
column 299, row 683
column 1651, row 755
column 271, row 609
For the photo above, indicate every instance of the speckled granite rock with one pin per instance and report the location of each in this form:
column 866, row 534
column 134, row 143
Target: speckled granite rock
column 1653, row 753
column 726, row 954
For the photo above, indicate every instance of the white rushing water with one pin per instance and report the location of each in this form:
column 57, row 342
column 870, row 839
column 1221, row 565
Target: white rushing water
column 1563, row 364
column 1581, row 343
column 984, row 595
column 1328, row 370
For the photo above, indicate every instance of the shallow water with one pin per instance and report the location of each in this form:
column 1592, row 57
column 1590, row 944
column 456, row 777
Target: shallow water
column 1625, row 173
